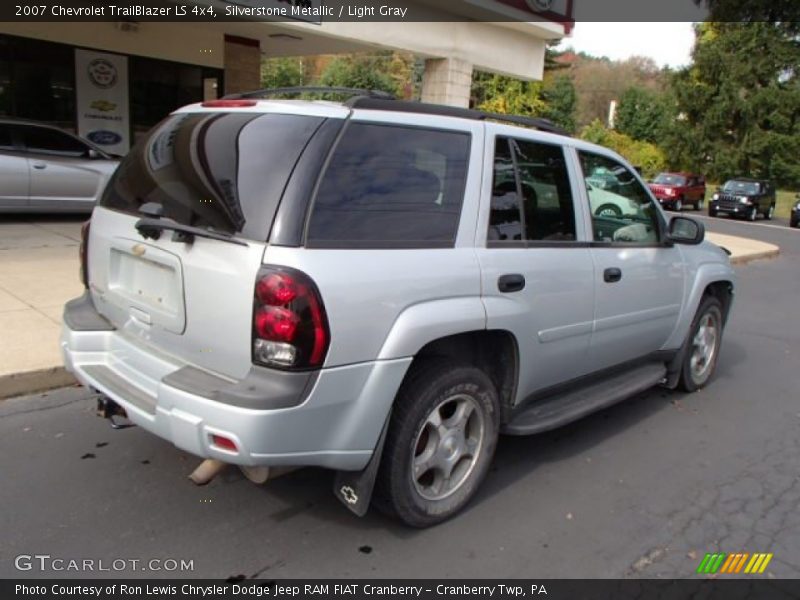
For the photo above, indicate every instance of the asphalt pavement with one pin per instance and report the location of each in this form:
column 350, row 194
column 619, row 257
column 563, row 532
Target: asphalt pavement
column 643, row 489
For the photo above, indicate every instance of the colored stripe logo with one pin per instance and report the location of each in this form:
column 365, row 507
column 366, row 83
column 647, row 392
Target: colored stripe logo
column 740, row 562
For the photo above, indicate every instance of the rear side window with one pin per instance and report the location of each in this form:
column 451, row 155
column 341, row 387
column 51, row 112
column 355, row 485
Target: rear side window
column 391, row 186
column 6, row 142
column 40, row 140
column 223, row 171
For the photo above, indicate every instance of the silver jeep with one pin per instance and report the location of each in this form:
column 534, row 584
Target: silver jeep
column 381, row 288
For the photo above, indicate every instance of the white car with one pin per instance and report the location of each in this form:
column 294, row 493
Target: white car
column 45, row 169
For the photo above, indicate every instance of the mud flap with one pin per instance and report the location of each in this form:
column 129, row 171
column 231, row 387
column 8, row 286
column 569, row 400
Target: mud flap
column 354, row 488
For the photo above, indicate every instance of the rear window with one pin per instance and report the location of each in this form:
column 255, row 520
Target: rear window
column 391, row 186
column 224, row 171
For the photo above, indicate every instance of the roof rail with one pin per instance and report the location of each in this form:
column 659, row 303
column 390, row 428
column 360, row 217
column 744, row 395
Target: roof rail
column 263, row 93
column 372, row 103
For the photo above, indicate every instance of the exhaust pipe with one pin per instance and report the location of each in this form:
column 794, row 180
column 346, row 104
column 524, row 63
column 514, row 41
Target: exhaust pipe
column 260, row 475
column 207, row 470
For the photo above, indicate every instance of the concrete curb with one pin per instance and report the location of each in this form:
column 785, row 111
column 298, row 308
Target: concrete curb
column 32, row 382
column 742, row 260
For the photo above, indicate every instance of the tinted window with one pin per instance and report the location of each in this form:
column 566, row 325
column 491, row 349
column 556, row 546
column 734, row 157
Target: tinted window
column 41, row 140
column 622, row 210
column 391, row 186
column 221, row 170
column 531, row 185
column 6, row 143
column 505, row 218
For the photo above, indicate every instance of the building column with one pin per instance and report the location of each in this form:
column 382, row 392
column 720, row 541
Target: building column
column 242, row 64
column 447, row 81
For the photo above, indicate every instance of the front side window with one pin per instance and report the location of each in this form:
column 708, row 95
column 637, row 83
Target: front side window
column 41, row 140
column 622, row 210
column 391, row 186
column 531, row 187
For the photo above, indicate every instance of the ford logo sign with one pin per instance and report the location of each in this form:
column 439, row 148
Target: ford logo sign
column 104, row 138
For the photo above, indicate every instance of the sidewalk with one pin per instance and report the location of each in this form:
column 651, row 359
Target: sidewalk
column 39, row 273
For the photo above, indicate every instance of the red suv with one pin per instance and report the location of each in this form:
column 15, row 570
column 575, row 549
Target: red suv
column 676, row 190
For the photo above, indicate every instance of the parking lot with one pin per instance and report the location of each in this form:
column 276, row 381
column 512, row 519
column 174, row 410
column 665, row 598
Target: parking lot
column 643, row 489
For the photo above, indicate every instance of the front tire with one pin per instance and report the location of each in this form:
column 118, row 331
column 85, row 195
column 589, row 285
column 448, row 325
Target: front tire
column 440, row 442
column 609, row 210
column 712, row 212
column 702, row 346
column 752, row 214
column 678, row 206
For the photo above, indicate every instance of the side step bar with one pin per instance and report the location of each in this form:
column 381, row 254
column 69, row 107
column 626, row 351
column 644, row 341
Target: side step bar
column 560, row 409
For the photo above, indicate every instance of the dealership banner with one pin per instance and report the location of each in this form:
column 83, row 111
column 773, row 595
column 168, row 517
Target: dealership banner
column 101, row 86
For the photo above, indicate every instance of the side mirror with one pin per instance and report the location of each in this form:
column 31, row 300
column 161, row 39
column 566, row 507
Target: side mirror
column 683, row 230
column 93, row 154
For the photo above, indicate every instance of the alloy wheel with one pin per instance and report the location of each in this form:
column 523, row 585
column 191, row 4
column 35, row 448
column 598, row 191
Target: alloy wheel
column 447, row 447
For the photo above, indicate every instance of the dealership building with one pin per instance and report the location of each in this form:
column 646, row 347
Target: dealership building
column 113, row 80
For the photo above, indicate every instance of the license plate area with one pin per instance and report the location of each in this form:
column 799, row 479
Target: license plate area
column 147, row 283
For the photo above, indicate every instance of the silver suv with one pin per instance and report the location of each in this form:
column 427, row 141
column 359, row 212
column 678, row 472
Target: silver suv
column 381, row 288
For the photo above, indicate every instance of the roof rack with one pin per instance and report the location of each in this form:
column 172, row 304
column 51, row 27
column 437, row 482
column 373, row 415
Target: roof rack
column 263, row 93
column 372, row 103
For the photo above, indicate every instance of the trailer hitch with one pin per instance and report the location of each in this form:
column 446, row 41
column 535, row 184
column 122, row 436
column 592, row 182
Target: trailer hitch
column 108, row 409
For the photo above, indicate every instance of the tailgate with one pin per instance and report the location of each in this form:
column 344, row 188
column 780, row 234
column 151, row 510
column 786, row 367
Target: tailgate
column 193, row 302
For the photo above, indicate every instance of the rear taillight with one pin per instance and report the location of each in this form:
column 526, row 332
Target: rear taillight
column 83, row 253
column 290, row 328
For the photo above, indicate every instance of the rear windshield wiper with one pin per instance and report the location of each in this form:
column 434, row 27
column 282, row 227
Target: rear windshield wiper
column 151, row 228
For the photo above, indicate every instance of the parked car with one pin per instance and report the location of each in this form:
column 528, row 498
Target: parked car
column 744, row 197
column 676, row 190
column 363, row 287
column 45, row 169
column 794, row 218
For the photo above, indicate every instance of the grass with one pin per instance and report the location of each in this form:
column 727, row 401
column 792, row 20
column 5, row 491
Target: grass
column 785, row 199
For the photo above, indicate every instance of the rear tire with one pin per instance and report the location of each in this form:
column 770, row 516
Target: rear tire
column 702, row 346
column 770, row 212
column 699, row 205
column 440, row 442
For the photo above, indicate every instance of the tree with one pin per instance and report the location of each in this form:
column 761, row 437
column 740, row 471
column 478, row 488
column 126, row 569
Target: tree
column 739, row 102
column 386, row 71
column 644, row 155
column 281, row 72
column 507, row 95
column 560, row 100
column 642, row 114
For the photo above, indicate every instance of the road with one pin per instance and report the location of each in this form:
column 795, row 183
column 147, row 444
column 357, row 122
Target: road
column 643, row 489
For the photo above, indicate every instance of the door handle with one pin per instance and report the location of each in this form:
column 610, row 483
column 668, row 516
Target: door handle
column 39, row 165
column 513, row 282
column 612, row 275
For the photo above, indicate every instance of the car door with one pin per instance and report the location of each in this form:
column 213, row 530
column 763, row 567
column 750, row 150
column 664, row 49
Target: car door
column 638, row 277
column 14, row 171
column 536, row 269
column 62, row 174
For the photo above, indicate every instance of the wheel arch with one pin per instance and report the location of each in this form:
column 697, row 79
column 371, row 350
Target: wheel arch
column 493, row 351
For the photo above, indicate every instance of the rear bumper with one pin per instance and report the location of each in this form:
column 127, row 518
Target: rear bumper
column 336, row 425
